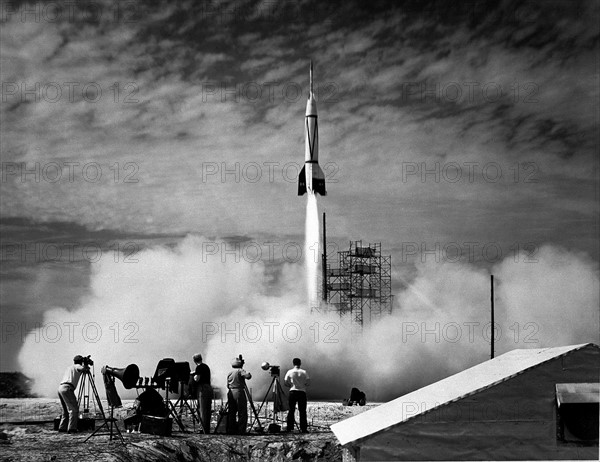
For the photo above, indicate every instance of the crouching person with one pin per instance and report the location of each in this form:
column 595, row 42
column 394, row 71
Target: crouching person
column 66, row 394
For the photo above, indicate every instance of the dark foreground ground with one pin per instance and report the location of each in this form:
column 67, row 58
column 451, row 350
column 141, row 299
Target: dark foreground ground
column 26, row 435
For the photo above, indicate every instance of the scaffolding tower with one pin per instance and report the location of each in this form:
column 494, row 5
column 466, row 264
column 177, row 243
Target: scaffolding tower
column 360, row 287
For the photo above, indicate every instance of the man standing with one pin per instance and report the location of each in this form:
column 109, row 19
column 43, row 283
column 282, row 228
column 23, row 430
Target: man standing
column 298, row 380
column 204, row 392
column 66, row 393
column 236, row 398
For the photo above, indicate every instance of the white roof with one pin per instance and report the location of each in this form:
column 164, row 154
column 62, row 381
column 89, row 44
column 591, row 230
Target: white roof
column 467, row 382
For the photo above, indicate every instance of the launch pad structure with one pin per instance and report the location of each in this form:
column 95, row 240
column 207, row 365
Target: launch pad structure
column 359, row 287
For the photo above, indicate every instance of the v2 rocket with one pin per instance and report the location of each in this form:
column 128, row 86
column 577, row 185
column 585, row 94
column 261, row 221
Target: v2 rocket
column 312, row 178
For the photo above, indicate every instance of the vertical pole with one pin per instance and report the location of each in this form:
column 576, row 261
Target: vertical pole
column 492, row 305
column 324, row 259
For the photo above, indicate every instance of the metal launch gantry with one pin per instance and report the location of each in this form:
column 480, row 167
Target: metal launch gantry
column 360, row 287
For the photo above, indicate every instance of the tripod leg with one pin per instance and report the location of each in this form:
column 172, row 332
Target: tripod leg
column 80, row 394
column 185, row 403
column 105, row 424
column 171, row 408
column 260, row 427
column 176, row 417
column 223, row 412
column 195, row 417
column 266, row 396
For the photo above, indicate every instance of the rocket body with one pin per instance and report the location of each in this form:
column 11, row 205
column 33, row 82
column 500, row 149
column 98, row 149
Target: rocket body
column 312, row 178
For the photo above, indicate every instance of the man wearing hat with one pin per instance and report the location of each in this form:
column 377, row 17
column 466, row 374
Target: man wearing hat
column 236, row 398
column 66, row 393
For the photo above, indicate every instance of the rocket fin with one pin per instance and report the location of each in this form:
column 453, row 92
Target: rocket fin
column 319, row 180
column 302, row 182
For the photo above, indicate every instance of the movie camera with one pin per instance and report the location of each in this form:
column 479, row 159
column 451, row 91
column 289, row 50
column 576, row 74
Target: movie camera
column 275, row 370
column 238, row 362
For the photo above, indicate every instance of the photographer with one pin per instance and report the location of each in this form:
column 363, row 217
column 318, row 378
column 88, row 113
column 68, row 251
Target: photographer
column 298, row 380
column 236, row 398
column 203, row 391
column 66, row 393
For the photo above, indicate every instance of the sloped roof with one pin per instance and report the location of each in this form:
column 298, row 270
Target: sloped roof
column 457, row 386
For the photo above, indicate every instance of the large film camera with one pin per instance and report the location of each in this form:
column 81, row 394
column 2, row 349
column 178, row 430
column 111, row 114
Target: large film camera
column 127, row 375
column 174, row 372
column 87, row 361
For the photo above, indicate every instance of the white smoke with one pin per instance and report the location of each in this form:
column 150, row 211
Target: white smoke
column 553, row 298
column 177, row 302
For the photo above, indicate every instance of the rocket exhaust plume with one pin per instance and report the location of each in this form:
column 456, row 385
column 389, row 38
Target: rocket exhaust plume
column 224, row 307
column 311, row 249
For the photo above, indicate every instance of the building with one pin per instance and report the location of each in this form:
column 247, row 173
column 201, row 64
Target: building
column 525, row 404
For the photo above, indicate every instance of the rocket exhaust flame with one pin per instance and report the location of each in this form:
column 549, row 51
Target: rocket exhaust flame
column 311, row 250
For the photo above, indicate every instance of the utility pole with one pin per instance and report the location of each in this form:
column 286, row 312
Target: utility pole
column 324, row 259
column 493, row 329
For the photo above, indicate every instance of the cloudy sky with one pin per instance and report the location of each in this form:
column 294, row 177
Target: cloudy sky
column 448, row 130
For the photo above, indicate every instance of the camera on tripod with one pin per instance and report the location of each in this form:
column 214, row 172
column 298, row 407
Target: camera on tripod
column 87, row 361
column 275, row 370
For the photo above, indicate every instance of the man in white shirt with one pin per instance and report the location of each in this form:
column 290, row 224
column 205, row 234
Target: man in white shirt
column 66, row 393
column 298, row 380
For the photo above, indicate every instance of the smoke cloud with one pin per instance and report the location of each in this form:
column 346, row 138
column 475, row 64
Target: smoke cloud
column 174, row 302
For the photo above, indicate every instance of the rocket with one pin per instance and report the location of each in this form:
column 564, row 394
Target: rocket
column 312, row 178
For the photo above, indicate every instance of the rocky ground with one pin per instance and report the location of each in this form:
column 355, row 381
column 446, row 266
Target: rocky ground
column 27, row 434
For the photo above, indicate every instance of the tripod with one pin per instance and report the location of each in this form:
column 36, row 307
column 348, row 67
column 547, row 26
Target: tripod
column 88, row 380
column 181, row 402
column 225, row 410
column 279, row 403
